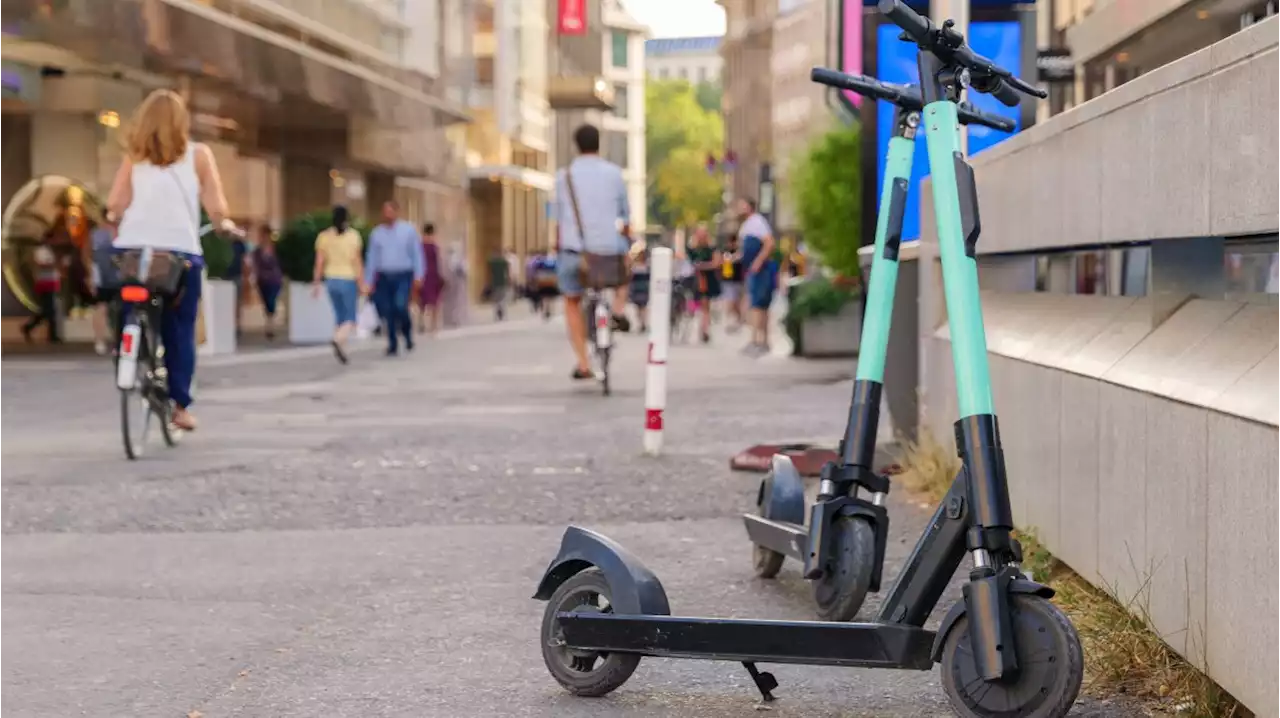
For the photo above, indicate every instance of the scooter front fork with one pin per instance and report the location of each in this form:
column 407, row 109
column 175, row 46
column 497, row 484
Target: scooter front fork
column 996, row 554
column 838, row 495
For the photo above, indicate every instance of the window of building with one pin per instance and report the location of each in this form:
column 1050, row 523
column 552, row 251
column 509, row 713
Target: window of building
column 663, row 73
column 702, row 75
column 615, row 149
column 619, row 45
column 620, row 100
column 683, row 73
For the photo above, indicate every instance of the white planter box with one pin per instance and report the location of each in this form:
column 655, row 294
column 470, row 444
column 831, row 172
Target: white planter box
column 838, row 335
column 218, row 303
column 310, row 317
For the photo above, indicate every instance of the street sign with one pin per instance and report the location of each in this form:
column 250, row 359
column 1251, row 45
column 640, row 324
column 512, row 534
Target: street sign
column 1054, row 64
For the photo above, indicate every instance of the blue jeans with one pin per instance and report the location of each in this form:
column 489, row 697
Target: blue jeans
column 343, row 295
column 178, row 332
column 391, row 293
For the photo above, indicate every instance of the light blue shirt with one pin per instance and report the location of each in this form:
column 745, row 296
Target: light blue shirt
column 394, row 248
column 602, row 200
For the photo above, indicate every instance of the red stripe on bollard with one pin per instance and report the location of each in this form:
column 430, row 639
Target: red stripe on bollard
column 651, row 359
column 653, row 419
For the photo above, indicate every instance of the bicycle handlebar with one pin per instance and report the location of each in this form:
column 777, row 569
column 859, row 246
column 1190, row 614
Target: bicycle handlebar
column 949, row 45
column 907, row 97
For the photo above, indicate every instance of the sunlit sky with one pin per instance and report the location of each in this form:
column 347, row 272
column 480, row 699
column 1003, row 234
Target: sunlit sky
column 678, row 18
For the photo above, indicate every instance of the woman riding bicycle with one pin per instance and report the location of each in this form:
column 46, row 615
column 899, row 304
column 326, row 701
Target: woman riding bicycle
column 156, row 197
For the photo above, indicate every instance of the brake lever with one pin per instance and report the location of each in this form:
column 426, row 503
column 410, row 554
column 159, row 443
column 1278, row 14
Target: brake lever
column 1025, row 88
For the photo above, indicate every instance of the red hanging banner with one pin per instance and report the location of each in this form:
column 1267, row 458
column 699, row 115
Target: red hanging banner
column 571, row 18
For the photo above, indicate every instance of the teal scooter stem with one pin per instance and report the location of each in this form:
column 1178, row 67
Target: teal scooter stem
column 843, row 546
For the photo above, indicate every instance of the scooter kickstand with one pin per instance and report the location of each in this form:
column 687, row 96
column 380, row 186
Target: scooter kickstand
column 764, row 681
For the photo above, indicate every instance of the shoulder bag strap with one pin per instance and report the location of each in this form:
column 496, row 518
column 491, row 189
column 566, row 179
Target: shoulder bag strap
column 573, row 200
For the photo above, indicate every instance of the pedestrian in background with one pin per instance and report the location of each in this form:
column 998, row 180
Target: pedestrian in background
column 731, row 288
column 48, row 281
column 236, row 272
column 758, row 243
column 706, row 261
column 394, row 269
column 104, row 281
column 267, row 275
column 454, row 298
column 428, row 295
column 499, row 283
column 339, row 267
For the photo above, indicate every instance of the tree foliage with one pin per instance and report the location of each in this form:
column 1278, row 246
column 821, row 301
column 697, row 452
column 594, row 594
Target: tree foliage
column 679, row 134
column 826, row 189
column 709, row 95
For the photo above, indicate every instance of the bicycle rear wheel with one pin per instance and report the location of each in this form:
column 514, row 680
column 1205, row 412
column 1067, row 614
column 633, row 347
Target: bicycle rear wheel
column 136, row 410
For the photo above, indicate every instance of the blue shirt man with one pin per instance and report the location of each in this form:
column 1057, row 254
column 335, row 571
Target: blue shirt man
column 592, row 216
column 393, row 264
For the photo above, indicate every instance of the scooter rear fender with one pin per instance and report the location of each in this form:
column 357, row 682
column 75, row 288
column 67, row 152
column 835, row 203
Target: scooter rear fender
column 781, row 496
column 1020, row 585
column 636, row 590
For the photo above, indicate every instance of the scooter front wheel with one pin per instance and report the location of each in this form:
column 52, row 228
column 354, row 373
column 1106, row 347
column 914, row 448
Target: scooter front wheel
column 845, row 581
column 582, row 673
column 1051, row 666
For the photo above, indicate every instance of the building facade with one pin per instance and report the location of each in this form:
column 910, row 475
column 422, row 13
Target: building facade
column 598, row 78
column 800, row 113
column 1110, row 42
column 695, row 59
column 508, row 141
column 747, row 102
column 304, row 104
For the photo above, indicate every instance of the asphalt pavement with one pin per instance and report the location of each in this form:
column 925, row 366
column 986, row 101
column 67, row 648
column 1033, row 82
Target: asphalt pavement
column 364, row 540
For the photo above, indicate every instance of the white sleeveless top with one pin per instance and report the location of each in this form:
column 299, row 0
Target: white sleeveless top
column 165, row 210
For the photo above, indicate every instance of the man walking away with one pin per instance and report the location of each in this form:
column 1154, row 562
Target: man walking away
column 755, row 236
column 593, row 223
column 394, row 268
column 48, row 281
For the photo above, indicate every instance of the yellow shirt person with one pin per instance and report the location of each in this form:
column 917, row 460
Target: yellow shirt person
column 341, row 252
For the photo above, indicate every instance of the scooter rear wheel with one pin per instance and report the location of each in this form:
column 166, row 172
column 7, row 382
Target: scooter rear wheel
column 1050, row 660
column 582, row 673
column 845, row 581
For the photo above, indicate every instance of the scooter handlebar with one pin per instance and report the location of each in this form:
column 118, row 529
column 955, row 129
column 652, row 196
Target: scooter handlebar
column 914, row 24
column 970, row 115
column 865, row 86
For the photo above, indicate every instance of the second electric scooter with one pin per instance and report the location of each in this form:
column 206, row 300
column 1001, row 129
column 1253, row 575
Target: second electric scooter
column 842, row 548
column 1004, row 649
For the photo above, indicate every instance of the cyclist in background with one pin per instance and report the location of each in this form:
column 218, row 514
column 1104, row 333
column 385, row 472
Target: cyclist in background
column 156, row 196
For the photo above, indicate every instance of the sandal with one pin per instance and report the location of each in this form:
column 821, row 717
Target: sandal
column 580, row 374
column 183, row 419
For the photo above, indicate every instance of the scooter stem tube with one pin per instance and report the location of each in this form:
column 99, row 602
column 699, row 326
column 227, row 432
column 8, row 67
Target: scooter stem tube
column 884, row 263
column 959, row 268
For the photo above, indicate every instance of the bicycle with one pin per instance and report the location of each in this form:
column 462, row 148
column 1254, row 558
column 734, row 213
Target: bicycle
column 151, row 280
column 599, row 322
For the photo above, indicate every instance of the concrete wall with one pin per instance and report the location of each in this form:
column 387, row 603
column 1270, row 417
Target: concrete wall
column 1141, row 438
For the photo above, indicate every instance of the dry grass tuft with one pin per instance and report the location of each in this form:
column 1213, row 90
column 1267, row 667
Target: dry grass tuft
column 1124, row 656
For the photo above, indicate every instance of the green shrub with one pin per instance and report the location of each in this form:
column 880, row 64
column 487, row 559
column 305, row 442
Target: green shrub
column 812, row 298
column 826, row 187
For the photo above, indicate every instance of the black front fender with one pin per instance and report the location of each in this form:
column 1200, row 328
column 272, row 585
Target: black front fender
column 1018, row 585
column 636, row 591
column 781, row 496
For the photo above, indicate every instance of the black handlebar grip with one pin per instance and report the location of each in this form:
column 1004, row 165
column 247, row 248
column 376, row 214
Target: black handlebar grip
column 971, row 115
column 865, row 86
column 1004, row 92
column 904, row 17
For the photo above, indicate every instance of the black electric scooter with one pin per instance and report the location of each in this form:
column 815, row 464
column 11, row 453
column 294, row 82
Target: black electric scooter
column 1005, row 650
column 843, row 547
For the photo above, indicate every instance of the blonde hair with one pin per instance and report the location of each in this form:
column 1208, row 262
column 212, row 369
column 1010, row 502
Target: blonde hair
column 160, row 129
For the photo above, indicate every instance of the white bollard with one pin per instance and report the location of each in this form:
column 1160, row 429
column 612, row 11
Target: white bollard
column 655, row 375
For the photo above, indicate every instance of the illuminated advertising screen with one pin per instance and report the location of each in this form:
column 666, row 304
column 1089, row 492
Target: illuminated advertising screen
column 896, row 62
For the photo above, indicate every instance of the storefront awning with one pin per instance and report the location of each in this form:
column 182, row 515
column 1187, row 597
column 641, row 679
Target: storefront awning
column 186, row 37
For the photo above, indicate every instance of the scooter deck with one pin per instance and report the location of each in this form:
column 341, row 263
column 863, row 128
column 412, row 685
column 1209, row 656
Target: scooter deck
column 784, row 537
column 869, row 645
